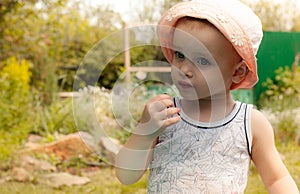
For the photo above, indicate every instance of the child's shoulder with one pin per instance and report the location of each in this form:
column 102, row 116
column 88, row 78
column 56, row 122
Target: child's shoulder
column 258, row 117
column 260, row 126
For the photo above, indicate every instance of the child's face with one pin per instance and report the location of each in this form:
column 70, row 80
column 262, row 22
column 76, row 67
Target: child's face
column 204, row 60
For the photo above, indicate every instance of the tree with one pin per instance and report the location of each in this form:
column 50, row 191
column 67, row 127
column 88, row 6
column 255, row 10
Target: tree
column 153, row 10
column 52, row 35
column 277, row 15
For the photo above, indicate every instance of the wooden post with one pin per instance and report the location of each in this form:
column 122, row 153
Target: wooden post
column 126, row 45
column 126, row 48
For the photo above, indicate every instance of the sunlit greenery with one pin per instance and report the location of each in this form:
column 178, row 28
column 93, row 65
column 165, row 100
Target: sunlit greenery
column 42, row 44
column 105, row 181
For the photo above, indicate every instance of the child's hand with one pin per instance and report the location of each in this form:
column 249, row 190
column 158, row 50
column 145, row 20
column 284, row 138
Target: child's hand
column 157, row 116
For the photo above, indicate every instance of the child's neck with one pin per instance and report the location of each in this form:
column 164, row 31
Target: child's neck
column 208, row 109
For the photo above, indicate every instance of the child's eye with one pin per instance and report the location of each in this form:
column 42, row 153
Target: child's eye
column 179, row 55
column 203, row 61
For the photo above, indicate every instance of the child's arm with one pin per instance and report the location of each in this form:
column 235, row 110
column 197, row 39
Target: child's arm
column 135, row 156
column 266, row 157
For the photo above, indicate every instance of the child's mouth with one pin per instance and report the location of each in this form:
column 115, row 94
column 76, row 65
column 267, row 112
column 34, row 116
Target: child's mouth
column 184, row 84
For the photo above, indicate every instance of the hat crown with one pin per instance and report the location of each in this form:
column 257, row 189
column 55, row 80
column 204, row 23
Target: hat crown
column 249, row 22
column 236, row 21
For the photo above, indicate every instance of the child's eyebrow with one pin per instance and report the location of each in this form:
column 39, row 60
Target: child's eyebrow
column 176, row 47
column 199, row 50
column 202, row 51
column 192, row 53
column 203, row 54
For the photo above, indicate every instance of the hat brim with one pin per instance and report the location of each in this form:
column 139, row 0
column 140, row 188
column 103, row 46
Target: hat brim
column 222, row 21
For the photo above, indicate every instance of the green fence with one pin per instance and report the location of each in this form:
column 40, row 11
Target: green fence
column 277, row 49
column 243, row 95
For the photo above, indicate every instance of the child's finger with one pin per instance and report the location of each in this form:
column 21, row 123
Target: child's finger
column 167, row 103
column 162, row 97
column 160, row 105
column 172, row 111
column 166, row 113
column 171, row 121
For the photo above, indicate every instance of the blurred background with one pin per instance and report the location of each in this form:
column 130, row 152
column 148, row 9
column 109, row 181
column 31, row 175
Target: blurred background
column 42, row 45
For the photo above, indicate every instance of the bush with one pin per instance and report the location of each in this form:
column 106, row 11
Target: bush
column 281, row 104
column 15, row 104
column 93, row 114
column 283, row 92
column 54, row 119
column 286, row 125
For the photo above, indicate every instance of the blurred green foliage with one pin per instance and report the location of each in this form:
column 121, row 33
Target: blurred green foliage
column 282, row 102
column 42, row 44
column 277, row 15
column 56, row 118
column 52, row 35
column 282, row 92
column 15, row 104
column 40, row 41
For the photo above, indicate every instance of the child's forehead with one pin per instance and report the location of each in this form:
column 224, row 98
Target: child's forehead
column 185, row 41
column 199, row 35
column 192, row 27
column 193, row 47
column 192, row 20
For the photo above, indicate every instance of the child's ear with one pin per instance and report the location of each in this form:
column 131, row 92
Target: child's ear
column 240, row 72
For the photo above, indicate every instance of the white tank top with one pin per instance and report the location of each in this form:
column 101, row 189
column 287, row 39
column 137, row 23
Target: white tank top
column 195, row 157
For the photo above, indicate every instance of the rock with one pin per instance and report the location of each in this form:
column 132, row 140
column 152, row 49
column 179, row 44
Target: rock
column 30, row 145
column 32, row 164
column 21, row 175
column 5, row 179
column 110, row 144
column 109, row 148
column 33, row 141
column 77, row 145
column 69, row 146
column 60, row 179
column 33, row 138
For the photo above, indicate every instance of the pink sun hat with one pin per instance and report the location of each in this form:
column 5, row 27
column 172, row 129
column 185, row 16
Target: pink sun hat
column 237, row 22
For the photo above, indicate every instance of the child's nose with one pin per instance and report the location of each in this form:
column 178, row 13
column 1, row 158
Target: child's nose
column 185, row 69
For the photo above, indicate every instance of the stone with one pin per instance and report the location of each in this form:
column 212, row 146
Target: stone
column 62, row 179
column 21, row 175
column 33, row 138
column 5, row 179
column 33, row 141
column 68, row 147
column 111, row 144
column 32, row 164
column 30, row 145
column 76, row 145
column 109, row 148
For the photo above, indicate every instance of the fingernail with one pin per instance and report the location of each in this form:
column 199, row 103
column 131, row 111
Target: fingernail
column 178, row 111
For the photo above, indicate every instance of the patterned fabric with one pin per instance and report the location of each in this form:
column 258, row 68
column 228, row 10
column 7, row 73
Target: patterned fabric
column 196, row 157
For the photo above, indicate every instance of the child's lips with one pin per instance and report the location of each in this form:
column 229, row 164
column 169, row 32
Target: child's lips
column 185, row 84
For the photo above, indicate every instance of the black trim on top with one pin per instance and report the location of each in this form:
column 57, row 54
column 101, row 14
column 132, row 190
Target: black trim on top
column 246, row 134
column 201, row 127
column 245, row 124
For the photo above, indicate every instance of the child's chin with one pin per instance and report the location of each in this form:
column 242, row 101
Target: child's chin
column 189, row 96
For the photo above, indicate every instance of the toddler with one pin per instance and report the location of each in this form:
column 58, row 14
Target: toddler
column 203, row 141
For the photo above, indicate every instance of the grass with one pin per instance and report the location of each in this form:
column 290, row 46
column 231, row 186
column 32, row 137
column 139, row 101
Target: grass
column 291, row 154
column 102, row 182
column 105, row 181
